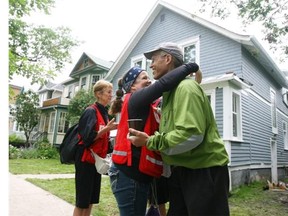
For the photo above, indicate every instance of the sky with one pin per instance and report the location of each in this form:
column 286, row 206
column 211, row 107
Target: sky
column 105, row 26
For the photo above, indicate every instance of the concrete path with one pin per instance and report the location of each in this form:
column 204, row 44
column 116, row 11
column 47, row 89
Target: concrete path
column 26, row 199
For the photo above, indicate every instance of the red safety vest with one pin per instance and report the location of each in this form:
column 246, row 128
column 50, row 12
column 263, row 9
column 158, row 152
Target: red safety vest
column 100, row 145
column 150, row 161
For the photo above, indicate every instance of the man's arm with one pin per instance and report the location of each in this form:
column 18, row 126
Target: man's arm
column 166, row 83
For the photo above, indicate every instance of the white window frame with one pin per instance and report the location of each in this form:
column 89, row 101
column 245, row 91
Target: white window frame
column 81, row 84
column 274, row 124
column 92, row 76
column 211, row 93
column 285, row 134
column 70, row 91
column 52, row 122
column 228, row 92
column 192, row 41
column 86, row 62
column 42, row 122
column 285, row 96
column 62, row 122
column 145, row 64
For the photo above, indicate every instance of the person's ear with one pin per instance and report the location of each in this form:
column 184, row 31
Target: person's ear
column 169, row 58
column 97, row 94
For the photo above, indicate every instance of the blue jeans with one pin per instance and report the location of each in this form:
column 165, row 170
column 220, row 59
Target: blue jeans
column 131, row 195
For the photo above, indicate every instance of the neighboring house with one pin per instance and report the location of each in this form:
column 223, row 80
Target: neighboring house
column 54, row 98
column 14, row 90
column 248, row 92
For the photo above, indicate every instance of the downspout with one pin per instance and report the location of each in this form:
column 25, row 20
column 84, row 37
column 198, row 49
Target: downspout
column 55, row 127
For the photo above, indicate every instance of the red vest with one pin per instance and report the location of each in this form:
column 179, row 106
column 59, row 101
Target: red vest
column 150, row 161
column 100, row 145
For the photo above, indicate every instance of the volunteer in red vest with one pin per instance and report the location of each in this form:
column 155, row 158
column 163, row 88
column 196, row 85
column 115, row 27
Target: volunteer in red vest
column 94, row 128
column 134, row 168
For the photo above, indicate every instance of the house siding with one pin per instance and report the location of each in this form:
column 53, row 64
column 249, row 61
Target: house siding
column 251, row 156
column 218, row 54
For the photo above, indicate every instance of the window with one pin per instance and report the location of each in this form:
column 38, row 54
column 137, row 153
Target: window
column 190, row 53
column 211, row 97
column 142, row 62
column 63, row 123
column 235, row 114
column 83, row 83
column 191, row 50
column 285, row 96
column 95, row 78
column 70, row 89
column 42, row 123
column 285, row 135
column 86, row 62
column 52, row 122
column 232, row 114
column 273, row 111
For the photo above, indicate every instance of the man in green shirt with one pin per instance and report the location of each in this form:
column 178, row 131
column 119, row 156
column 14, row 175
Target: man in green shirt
column 189, row 142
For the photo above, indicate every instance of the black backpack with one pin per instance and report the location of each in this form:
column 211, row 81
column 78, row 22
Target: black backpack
column 68, row 146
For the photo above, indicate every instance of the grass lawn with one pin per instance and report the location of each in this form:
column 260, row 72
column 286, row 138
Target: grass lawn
column 249, row 200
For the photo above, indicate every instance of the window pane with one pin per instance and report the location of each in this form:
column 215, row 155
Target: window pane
column 235, row 114
column 190, row 53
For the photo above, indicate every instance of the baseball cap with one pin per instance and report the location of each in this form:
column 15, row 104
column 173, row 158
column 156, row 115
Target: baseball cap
column 169, row 47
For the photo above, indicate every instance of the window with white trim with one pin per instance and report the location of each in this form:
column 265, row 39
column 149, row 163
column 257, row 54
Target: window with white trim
column 191, row 49
column 285, row 134
column 142, row 62
column 83, row 82
column 211, row 97
column 273, row 111
column 86, row 62
column 232, row 124
column 51, row 122
column 70, row 90
column 63, row 123
column 95, row 78
column 285, row 96
column 42, row 123
column 235, row 114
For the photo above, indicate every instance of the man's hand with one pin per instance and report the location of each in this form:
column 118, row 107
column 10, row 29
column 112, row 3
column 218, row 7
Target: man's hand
column 139, row 138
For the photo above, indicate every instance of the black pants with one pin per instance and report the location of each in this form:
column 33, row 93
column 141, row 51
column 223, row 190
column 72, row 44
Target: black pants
column 199, row 191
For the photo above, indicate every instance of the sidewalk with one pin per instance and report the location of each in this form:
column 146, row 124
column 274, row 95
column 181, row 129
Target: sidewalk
column 26, row 199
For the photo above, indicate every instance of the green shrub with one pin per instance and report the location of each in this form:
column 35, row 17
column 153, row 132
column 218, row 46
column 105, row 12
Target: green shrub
column 14, row 152
column 16, row 141
column 46, row 151
column 40, row 150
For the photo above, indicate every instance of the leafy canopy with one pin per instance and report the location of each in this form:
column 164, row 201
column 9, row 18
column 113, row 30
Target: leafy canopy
column 26, row 112
column 36, row 52
column 78, row 103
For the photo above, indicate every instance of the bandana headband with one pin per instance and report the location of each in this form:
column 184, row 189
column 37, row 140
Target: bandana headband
column 130, row 77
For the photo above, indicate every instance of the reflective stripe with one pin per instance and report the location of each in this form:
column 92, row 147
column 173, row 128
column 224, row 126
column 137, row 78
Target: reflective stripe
column 154, row 161
column 120, row 153
column 185, row 146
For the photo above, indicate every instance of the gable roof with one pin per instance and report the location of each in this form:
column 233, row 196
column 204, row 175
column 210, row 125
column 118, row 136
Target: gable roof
column 99, row 63
column 51, row 86
column 248, row 41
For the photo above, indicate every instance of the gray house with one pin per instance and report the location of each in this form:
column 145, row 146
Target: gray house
column 248, row 92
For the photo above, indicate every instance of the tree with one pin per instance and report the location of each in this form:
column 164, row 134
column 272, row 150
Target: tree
column 26, row 113
column 36, row 52
column 78, row 103
column 271, row 14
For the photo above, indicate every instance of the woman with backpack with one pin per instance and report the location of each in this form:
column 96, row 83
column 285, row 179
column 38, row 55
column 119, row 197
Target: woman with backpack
column 94, row 127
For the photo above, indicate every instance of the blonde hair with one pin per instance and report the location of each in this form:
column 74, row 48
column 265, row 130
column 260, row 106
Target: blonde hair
column 100, row 85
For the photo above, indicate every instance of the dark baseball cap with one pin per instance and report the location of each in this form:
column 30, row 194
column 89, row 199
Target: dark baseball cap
column 169, row 47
